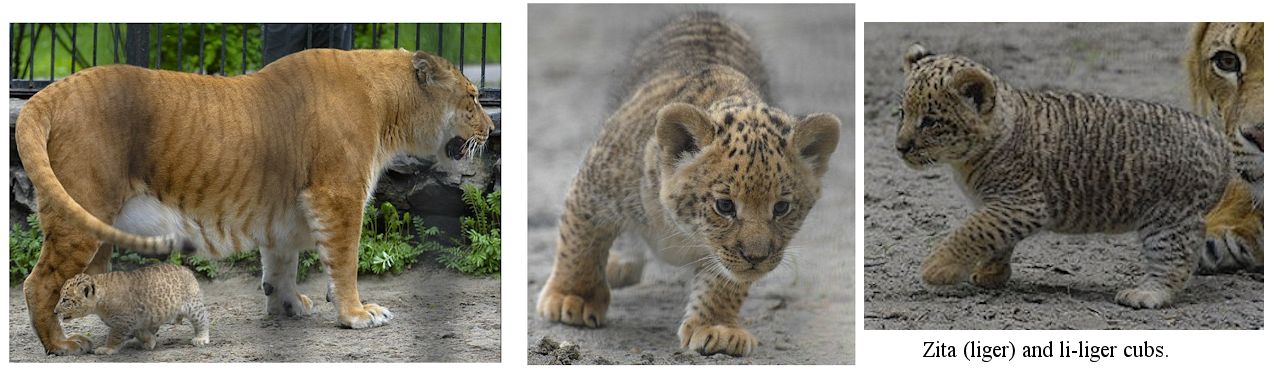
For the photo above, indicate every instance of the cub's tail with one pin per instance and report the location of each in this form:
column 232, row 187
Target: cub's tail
column 32, row 134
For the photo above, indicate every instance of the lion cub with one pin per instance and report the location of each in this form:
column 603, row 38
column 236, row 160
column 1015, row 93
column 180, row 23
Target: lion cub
column 136, row 303
column 1064, row 162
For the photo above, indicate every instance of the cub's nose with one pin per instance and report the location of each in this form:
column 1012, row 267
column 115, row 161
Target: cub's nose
column 754, row 255
column 904, row 146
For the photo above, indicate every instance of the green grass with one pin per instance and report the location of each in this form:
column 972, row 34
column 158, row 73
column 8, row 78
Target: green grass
column 481, row 252
column 24, row 249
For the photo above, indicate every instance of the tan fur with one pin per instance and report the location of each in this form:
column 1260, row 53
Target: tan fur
column 1059, row 161
column 1236, row 100
column 697, row 163
column 282, row 159
column 137, row 303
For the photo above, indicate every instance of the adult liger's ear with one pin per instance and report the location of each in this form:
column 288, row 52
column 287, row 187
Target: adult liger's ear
column 975, row 87
column 682, row 129
column 915, row 53
column 430, row 69
column 815, row 138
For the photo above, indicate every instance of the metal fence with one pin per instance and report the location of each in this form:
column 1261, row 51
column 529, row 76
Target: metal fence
column 148, row 45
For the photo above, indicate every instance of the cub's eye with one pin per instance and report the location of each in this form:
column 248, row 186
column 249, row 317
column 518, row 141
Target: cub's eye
column 1227, row 62
column 780, row 208
column 725, row 207
column 926, row 122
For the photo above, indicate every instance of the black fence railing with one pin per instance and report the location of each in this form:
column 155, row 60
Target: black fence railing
column 233, row 49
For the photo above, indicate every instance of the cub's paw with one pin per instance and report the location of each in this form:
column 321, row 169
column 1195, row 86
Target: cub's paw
column 105, row 351
column 940, row 270
column 1144, row 297
column 623, row 273
column 710, row 339
column 72, row 345
column 200, row 341
column 574, row 309
column 991, row 275
column 370, row 315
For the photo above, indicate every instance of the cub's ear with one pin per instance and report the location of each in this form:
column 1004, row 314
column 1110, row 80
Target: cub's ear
column 682, row 129
column 430, row 69
column 915, row 53
column 815, row 138
column 975, row 87
column 90, row 289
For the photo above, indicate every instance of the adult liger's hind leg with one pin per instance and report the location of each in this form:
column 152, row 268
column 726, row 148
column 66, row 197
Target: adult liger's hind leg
column 336, row 221
column 980, row 249
column 1168, row 245
column 577, row 292
column 1233, row 233
column 278, row 273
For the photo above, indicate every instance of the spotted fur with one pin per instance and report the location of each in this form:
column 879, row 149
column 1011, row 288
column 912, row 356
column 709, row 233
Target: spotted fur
column 1059, row 161
column 1226, row 71
column 698, row 163
column 283, row 159
column 137, row 303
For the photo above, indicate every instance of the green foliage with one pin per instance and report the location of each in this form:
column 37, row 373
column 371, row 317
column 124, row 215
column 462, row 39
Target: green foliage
column 482, row 252
column 310, row 261
column 24, row 248
column 385, row 244
column 178, row 45
column 199, row 264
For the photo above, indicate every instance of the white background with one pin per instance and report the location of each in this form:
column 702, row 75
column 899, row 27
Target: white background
column 879, row 351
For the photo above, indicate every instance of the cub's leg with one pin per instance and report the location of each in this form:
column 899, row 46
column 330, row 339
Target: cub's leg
column 981, row 248
column 711, row 324
column 1233, row 233
column 146, row 335
column 196, row 313
column 577, row 292
column 335, row 217
column 1168, row 245
column 624, row 272
column 278, row 278
column 115, row 340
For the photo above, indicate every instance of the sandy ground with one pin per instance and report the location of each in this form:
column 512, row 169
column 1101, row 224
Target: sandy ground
column 802, row 314
column 1059, row 282
column 441, row 316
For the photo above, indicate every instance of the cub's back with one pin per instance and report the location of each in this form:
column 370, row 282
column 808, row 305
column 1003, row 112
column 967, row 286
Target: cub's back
column 161, row 288
column 1112, row 162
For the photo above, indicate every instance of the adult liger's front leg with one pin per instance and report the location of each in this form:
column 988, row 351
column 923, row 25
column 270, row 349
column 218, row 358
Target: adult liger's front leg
column 278, row 273
column 712, row 323
column 980, row 249
column 336, row 219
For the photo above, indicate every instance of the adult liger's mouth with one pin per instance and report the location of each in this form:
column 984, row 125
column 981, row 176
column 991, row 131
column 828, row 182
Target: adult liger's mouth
column 458, row 148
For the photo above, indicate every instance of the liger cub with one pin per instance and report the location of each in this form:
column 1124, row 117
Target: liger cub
column 698, row 164
column 137, row 303
column 1059, row 161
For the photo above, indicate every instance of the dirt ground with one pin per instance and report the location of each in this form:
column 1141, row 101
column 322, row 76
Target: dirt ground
column 1059, row 282
column 440, row 316
column 802, row 314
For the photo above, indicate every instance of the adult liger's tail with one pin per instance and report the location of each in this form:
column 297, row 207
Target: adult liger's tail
column 32, row 135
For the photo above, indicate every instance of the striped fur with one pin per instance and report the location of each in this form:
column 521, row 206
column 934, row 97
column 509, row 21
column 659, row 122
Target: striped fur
column 1059, row 161
column 281, row 160
column 137, row 303
column 1226, row 72
column 694, row 129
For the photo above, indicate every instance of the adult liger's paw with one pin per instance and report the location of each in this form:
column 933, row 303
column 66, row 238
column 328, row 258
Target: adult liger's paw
column 574, row 309
column 298, row 305
column 1230, row 248
column 710, row 339
column 72, row 345
column 1144, row 297
column 371, row 315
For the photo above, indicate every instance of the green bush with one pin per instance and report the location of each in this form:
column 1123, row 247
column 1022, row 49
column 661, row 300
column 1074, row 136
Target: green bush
column 24, row 249
column 482, row 252
column 385, row 245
